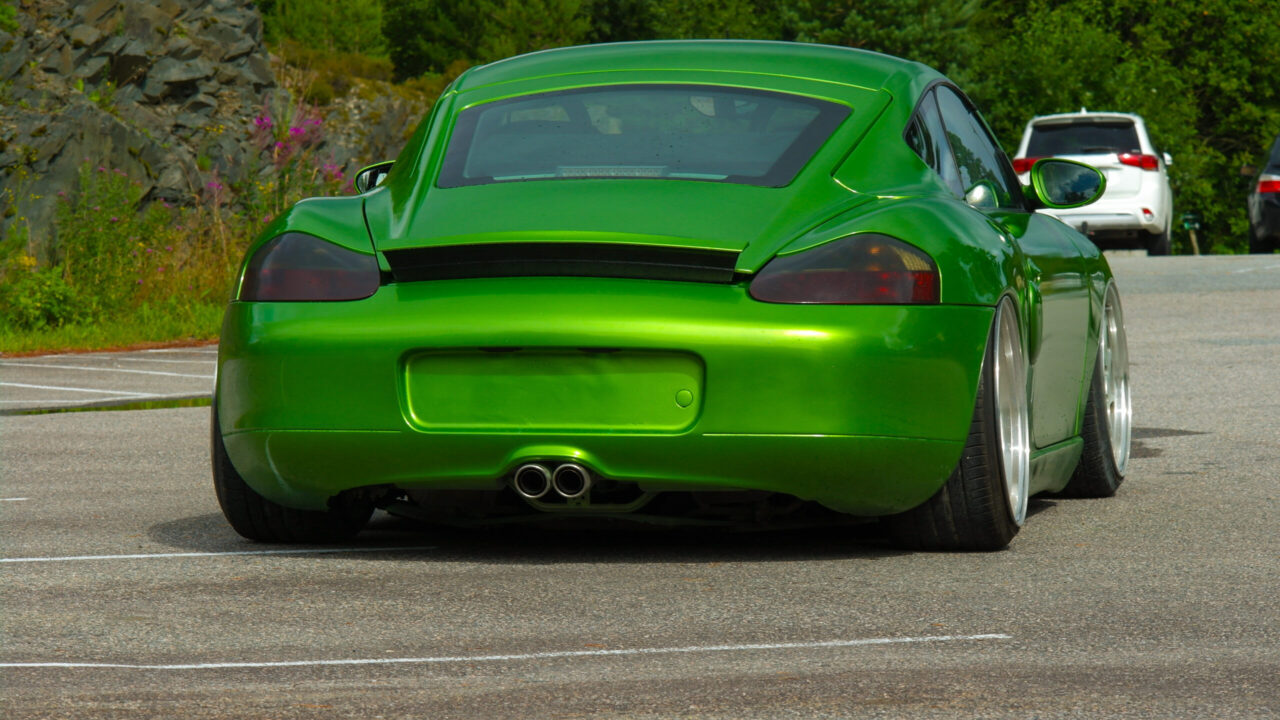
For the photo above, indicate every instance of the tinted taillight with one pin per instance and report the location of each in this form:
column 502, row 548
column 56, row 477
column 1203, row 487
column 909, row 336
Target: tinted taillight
column 857, row 270
column 296, row 267
column 1146, row 162
column 1269, row 184
column 1023, row 165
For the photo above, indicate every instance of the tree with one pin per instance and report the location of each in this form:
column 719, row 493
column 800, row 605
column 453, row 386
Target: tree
column 1201, row 75
column 934, row 32
column 353, row 26
column 432, row 35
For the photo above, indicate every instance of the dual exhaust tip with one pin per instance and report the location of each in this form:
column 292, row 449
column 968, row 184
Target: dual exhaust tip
column 569, row 481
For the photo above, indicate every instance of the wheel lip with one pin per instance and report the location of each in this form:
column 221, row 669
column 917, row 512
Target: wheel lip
column 1113, row 356
column 1013, row 417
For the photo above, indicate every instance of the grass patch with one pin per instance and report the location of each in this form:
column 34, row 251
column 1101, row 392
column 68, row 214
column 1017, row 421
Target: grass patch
column 148, row 325
column 141, row 405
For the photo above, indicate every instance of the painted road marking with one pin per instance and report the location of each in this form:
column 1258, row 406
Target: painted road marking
column 12, row 499
column 6, row 363
column 122, row 358
column 120, row 395
column 150, row 556
column 1255, row 269
column 68, row 389
column 446, row 659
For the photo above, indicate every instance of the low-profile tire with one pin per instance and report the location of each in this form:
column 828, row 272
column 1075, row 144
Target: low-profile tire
column 1259, row 245
column 258, row 518
column 1158, row 243
column 1107, row 428
column 984, row 501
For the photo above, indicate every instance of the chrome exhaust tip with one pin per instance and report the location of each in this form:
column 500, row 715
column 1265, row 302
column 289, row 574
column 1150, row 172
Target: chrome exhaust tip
column 531, row 481
column 571, row 481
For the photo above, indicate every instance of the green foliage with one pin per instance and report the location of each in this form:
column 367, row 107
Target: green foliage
column 934, row 32
column 345, row 26
column 328, row 75
column 8, row 17
column 1202, row 76
column 37, row 299
column 431, row 35
column 120, row 275
column 715, row 19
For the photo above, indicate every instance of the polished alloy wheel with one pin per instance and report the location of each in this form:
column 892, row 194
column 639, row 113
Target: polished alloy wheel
column 1013, row 417
column 1115, row 379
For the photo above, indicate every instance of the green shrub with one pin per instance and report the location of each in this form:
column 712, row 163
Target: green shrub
column 42, row 298
column 8, row 18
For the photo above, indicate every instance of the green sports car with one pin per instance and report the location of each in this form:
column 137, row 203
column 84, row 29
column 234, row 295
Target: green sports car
column 694, row 281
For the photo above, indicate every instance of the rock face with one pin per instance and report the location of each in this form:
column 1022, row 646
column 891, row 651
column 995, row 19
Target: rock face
column 165, row 90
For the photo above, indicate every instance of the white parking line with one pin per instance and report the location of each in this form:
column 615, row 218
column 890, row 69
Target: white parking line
column 151, row 556
column 1255, row 269
column 122, row 393
column 208, row 350
column 523, row 656
column 121, row 358
column 6, row 363
column 12, row 499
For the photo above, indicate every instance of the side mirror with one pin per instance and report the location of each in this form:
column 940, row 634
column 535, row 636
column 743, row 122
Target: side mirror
column 1168, row 159
column 981, row 196
column 1060, row 184
column 372, row 176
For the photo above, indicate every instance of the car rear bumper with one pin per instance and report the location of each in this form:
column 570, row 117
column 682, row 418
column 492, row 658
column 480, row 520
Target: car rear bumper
column 454, row 384
column 1098, row 220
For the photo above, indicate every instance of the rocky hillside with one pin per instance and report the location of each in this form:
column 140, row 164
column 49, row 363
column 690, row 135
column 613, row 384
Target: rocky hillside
column 166, row 91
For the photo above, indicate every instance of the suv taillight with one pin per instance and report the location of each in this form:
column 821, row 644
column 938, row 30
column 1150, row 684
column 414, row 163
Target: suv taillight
column 1023, row 165
column 1146, row 162
column 1269, row 184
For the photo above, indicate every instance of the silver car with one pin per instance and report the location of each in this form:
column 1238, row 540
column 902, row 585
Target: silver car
column 1136, row 210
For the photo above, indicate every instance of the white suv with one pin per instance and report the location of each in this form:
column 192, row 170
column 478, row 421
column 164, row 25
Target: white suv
column 1136, row 210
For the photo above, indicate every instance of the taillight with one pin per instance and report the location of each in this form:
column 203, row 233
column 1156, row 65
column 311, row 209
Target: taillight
column 1146, row 162
column 1269, row 184
column 857, row 270
column 297, row 267
column 1023, row 165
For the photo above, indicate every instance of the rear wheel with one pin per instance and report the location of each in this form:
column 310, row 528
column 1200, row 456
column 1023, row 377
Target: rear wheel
column 258, row 518
column 1158, row 244
column 984, row 502
column 1107, row 429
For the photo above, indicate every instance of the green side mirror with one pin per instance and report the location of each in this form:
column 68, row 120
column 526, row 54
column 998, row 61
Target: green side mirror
column 372, row 176
column 1060, row 184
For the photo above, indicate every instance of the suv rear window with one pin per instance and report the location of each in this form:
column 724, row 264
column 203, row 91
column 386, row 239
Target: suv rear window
column 682, row 132
column 1083, row 138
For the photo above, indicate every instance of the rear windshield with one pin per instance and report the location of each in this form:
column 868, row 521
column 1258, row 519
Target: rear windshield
column 1084, row 138
column 685, row 132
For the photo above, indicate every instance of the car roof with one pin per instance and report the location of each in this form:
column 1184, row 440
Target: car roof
column 823, row 63
column 1083, row 116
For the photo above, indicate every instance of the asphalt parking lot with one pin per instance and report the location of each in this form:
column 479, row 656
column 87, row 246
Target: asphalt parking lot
column 126, row 595
column 78, row 380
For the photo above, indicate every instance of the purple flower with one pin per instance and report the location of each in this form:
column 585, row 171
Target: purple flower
column 264, row 122
column 115, row 219
column 168, row 248
column 297, row 131
column 214, row 185
column 149, row 251
column 101, row 169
